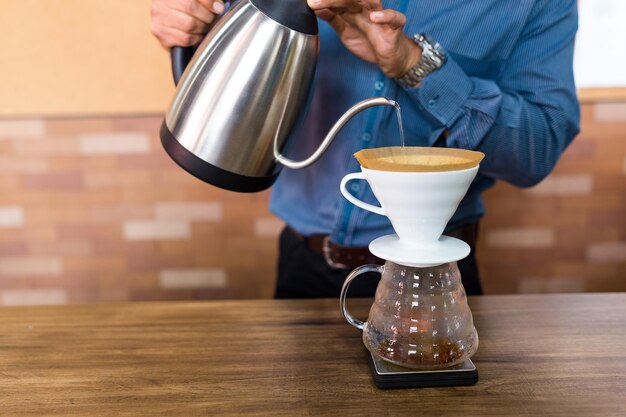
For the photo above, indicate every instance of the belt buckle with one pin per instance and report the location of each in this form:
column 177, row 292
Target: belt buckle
column 327, row 252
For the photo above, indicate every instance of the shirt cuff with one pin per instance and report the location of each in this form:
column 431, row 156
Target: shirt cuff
column 443, row 92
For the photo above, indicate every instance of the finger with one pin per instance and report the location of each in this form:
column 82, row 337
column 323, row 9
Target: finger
column 325, row 14
column 164, row 15
column 392, row 18
column 170, row 37
column 216, row 6
column 202, row 10
column 352, row 6
column 332, row 18
column 186, row 23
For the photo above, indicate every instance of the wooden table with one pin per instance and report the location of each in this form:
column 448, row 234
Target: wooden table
column 543, row 355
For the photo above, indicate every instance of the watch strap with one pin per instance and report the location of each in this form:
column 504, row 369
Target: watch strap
column 432, row 59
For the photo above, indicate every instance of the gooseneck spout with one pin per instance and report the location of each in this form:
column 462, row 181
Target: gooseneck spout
column 352, row 111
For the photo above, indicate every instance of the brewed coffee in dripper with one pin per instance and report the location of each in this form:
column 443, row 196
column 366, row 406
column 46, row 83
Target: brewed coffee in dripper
column 418, row 159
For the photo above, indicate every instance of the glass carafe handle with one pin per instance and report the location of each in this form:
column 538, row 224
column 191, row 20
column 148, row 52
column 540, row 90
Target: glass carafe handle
column 344, row 292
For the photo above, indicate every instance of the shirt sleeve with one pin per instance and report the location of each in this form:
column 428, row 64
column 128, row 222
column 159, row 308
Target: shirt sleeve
column 524, row 120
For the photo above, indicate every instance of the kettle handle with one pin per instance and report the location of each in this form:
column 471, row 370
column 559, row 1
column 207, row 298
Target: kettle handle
column 180, row 57
column 352, row 111
column 344, row 292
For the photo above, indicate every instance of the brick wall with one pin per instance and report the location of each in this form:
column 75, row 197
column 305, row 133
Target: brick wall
column 92, row 210
column 568, row 234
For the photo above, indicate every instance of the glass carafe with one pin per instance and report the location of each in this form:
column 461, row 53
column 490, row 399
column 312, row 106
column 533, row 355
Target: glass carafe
column 420, row 317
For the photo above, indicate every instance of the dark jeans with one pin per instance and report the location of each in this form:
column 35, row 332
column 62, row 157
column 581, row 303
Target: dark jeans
column 303, row 273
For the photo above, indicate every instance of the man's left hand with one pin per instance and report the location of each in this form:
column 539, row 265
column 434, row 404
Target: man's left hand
column 370, row 32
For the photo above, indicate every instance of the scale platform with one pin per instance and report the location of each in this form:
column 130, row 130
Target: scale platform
column 388, row 375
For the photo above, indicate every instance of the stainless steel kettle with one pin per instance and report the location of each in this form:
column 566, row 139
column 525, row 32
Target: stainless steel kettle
column 242, row 92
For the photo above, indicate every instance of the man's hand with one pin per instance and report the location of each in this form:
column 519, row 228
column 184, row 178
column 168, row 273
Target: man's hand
column 183, row 22
column 371, row 33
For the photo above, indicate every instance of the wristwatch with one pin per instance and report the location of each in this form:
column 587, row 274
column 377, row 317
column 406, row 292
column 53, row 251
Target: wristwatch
column 433, row 58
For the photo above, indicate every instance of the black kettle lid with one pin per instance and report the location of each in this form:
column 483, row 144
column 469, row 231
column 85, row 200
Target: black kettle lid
column 295, row 14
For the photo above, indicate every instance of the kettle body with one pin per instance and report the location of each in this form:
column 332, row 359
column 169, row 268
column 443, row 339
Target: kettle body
column 242, row 92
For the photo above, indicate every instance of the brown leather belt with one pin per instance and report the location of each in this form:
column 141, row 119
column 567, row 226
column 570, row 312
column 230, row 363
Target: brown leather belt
column 345, row 257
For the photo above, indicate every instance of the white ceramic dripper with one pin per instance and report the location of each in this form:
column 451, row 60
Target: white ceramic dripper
column 419, row 206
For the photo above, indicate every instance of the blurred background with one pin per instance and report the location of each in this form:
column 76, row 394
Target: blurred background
column 93, row 210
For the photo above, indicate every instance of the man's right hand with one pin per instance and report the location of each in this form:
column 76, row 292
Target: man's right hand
column 183, row 22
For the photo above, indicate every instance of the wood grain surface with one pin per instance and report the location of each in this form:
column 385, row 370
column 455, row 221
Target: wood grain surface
column 543, row 355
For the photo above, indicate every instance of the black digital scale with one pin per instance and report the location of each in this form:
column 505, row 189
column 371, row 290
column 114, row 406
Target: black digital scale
column 388, row 375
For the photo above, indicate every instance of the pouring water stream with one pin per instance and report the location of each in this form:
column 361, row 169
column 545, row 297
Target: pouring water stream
column 399, row 116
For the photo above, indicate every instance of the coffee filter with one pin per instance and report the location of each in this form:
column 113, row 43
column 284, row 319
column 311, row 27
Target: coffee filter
column 418, row 159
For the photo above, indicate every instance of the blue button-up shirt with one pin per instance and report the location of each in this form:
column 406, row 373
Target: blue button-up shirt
column 507, row 90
